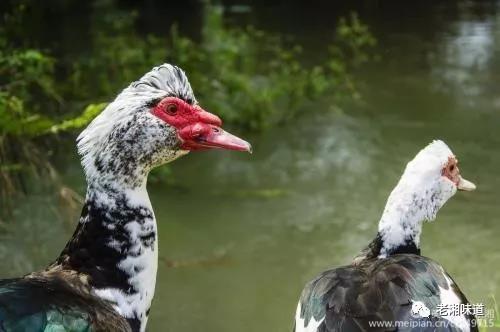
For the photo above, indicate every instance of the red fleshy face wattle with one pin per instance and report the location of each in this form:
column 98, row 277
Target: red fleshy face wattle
column 197, row 128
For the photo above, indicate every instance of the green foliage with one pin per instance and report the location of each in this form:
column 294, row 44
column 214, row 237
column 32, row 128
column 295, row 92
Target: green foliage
column 254, row 79
column 29, row 103
column 496, row 322
column 488, row 323
column 353, row 42
column 89, row 113
column 26, row 77
column 117, row 55
column 251, row 78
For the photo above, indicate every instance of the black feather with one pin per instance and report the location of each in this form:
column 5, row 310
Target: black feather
column 350, row 297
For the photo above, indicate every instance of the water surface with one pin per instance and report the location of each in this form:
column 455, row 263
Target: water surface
column 240, row 235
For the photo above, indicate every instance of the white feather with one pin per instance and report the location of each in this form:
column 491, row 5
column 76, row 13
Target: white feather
column 312, row 325
column 448, row 297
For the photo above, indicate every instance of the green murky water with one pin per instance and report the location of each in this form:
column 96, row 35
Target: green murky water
column 240, row 234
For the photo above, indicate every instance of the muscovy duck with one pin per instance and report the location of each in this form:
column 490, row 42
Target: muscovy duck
column 389, row 282
column 104, row 279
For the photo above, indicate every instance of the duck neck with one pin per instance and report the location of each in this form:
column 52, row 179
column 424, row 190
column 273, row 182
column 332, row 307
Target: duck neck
column 115, row 245
column 399, row 231
column 400, row 226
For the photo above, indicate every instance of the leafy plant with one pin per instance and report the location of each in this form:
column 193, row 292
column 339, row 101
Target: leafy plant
column 117, row 55
column 23, row 75
column 29, row 103
column 254, row 79
column 251, row 78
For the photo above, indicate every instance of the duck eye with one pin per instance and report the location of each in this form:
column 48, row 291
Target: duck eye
column 452, row 167
column 171, row 108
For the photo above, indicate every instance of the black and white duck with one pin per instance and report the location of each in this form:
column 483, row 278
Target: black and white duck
column 389, row 282
column 104, row 279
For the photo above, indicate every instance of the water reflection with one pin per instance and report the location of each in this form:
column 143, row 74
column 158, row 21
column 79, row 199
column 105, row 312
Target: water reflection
column 312, row 193
column 465, row 57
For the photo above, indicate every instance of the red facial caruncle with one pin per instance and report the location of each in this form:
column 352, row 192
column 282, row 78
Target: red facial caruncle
column 196, row 128
column 451, row 171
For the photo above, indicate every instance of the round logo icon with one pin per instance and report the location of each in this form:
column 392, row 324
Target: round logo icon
column 419, row 310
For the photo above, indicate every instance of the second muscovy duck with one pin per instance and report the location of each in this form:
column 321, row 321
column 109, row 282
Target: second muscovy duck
column 389, row 286
column 104, row 279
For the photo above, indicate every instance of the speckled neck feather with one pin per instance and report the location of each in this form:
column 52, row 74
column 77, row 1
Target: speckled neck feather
column 115, row 244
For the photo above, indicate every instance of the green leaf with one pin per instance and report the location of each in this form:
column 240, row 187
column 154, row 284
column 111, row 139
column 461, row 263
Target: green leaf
column 90, row 112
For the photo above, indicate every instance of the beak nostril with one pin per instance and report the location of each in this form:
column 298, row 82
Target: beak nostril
column 216, row 130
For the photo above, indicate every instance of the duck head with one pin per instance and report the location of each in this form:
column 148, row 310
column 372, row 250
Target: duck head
column 428, row 182
column 152, row 122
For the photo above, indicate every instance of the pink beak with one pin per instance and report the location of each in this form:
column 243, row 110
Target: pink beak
column 218, row 138
column 208, row 134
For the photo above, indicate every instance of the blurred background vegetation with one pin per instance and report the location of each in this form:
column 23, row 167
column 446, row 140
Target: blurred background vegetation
column 251, row 78
column 335, row 97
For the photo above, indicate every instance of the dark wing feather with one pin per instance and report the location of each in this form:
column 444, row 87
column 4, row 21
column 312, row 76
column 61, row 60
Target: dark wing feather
column 50, row 303
column 350, row 297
